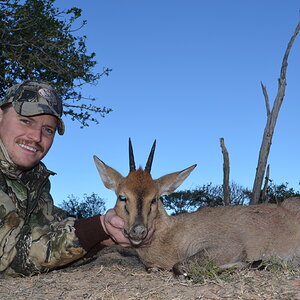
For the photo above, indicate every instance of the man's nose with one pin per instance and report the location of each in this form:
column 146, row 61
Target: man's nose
column 35, row 134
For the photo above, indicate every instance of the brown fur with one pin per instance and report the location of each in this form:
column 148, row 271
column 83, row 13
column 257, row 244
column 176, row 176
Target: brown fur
column 231, row 234
column 227, row 234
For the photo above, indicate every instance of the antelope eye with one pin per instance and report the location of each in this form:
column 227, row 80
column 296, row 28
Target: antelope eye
column 122, row 198
column 153, row 201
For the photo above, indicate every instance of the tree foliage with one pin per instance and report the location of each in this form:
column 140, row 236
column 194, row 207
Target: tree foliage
column 276, row 193
column 88, row 207
column 37, row 41
column 206, row 195
column 211, row 195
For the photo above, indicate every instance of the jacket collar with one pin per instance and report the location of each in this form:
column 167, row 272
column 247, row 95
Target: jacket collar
column 10, row 169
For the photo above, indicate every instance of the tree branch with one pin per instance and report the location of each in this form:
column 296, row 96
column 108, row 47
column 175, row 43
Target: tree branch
column 264, row 89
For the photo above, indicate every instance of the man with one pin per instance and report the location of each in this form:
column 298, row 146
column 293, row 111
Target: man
column 35, row 236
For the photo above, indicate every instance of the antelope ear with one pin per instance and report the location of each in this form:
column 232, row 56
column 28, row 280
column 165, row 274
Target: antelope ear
column 169, row 183
column 110, row 177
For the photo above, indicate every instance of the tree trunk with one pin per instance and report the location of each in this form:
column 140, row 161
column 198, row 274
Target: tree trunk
column 264, row 192
column 226, row 168
column 271, row 122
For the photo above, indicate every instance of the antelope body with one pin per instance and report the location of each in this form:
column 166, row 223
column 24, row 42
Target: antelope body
column 228, row 234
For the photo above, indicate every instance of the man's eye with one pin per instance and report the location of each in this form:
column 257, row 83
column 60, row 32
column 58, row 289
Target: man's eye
column 25, row 121
column 49, row 130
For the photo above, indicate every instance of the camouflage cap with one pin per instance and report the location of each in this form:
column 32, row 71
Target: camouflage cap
column 31, row 98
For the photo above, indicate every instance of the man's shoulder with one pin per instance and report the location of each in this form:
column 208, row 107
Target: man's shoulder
column 37, row 174
column 42, row 169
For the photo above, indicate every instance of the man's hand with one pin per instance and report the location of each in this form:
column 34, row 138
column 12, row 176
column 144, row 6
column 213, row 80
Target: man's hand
column 114, row 225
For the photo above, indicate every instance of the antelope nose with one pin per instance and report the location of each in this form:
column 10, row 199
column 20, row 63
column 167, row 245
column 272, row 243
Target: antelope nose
column 138, row 232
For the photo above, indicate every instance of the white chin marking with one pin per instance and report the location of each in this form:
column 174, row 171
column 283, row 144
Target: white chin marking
column 135, row 243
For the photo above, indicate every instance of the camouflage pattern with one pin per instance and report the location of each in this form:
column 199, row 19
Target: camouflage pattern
column 31, row 98
column 34, row 235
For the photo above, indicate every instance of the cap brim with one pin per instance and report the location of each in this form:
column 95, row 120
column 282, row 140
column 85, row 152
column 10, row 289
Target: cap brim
column 29, row 109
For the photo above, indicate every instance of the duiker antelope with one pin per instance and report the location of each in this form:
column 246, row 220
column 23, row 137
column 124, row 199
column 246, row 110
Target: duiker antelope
column 228, row 235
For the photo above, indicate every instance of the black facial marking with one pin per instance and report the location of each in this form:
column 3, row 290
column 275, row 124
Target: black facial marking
column 140, row 195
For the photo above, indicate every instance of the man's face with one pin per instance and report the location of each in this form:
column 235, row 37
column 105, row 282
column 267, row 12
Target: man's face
column 26, row 139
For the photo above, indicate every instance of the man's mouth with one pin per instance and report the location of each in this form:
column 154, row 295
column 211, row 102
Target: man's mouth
column 30, row 148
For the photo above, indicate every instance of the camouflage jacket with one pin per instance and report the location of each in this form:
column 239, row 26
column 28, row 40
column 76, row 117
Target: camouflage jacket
column 34, row 237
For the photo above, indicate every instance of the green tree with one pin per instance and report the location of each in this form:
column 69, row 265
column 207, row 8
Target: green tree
column 37, row 41
column 211, row 195
column 191, row 200
column 276, row 193
column 206, row 195
column 88, row 207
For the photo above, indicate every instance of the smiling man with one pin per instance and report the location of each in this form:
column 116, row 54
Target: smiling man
column 36, row 236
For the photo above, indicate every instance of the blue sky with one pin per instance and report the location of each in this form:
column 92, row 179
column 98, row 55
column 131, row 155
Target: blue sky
column 184, row 73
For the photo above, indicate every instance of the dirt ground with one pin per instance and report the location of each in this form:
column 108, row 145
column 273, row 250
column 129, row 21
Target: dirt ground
column 118, row 274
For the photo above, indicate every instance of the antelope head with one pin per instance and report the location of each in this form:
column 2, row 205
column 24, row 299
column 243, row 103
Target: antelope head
column 138, row 194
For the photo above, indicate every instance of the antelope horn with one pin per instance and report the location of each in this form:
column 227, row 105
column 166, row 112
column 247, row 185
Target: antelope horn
column 131, row 158
column 150, row 158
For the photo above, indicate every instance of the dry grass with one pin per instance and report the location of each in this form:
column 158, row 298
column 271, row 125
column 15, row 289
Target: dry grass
column 118, row 274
